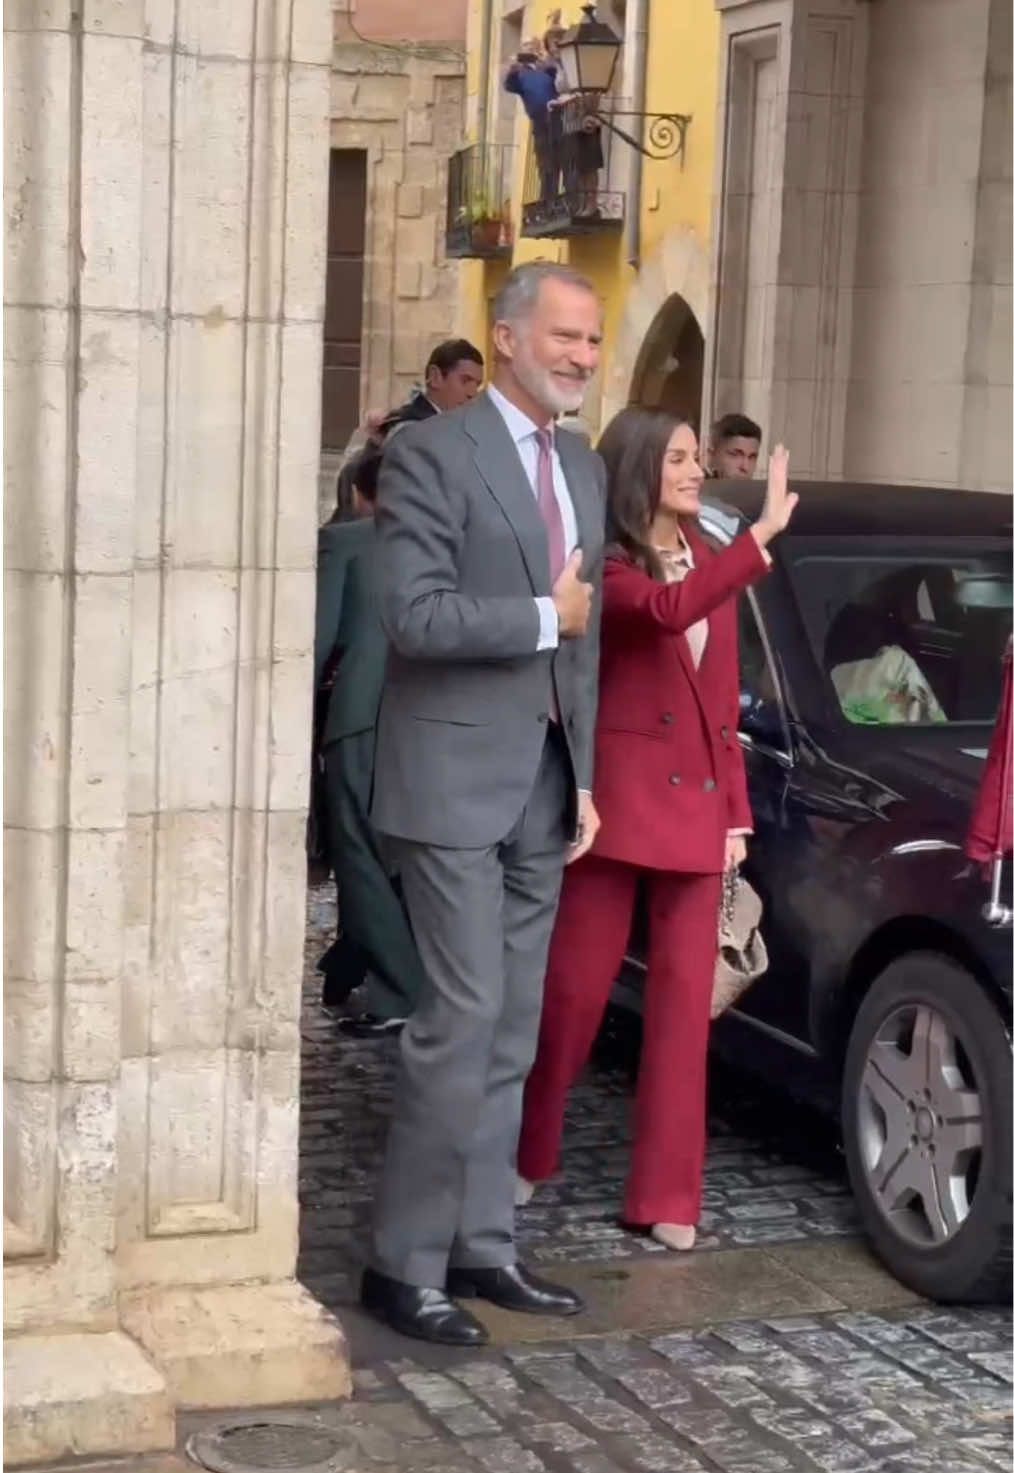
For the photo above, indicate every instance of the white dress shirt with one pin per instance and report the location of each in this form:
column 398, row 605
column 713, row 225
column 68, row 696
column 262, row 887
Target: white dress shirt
column 523, row 431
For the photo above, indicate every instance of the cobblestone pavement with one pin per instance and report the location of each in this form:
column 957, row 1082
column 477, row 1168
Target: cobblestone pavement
column 780, row 1348
column 772, row 1184
column 873, row 1380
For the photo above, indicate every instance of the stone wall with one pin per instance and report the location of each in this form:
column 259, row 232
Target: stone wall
column 404, row 105
column 165, row 182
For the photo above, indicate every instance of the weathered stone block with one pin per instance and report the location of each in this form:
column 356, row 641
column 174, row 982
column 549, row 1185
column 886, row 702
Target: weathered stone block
column 306, row 195
column 205, row 435
column 37, row 157
column 410, row 201
column 221, row 28
column 115, row 17
column 210, row 223
column 75, row 1395
column 408, row 278
column 112, row 76
column 35, row 438
column 242, row 1346
column 107, row 442
column 34, row 706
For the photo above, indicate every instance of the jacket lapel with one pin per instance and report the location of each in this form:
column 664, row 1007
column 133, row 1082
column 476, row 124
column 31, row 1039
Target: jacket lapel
column 499, row 464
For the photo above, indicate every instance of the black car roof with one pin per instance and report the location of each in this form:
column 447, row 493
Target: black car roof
column 851, row 509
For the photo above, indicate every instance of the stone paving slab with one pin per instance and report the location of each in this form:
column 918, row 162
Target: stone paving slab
column 850, row 1392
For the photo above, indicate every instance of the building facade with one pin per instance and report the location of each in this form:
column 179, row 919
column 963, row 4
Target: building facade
column 397, row 107
column 831, row 254
column 861, row 281
column 648, row 253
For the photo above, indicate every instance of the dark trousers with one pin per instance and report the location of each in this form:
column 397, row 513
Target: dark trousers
column 372, row 919
column 589, row 940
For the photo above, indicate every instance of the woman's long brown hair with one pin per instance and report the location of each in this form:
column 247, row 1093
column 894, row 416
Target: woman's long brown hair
column 633, row 446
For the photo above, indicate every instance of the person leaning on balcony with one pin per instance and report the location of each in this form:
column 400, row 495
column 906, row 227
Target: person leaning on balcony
column 532, row 77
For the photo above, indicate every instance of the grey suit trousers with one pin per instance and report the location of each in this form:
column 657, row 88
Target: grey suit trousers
column 482, row 920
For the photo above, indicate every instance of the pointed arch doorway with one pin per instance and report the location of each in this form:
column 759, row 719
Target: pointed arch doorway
column 669, row 373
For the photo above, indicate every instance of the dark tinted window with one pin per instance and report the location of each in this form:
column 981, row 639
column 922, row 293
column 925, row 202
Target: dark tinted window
column 914, row 640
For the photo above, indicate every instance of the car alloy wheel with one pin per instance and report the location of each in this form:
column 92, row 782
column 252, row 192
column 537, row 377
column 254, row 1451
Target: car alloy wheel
column 926, row 1123
column 920, row 1124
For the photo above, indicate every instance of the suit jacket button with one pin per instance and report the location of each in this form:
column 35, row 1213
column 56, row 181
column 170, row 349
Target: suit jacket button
column 667, row 718
column 709, row 784
column 674, row 780
column 725, row 733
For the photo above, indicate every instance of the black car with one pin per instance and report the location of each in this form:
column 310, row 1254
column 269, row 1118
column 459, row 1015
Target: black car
column 871, row 662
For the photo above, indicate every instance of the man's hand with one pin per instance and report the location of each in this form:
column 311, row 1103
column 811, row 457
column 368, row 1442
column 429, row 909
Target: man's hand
column 572, row 599
column 735, row 851
column 588, row 825
column 779, row 503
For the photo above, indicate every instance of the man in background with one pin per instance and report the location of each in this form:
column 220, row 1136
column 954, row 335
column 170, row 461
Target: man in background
column 733, row 448
column 374, row 948
column 454, row 373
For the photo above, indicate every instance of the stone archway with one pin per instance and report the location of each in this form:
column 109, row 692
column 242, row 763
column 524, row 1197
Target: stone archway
column 678, row 267
column 669, row 373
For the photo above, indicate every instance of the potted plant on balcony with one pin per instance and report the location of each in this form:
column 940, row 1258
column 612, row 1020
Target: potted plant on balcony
column 487, row 226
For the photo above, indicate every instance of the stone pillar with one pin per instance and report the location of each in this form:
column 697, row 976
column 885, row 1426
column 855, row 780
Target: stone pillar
column 166, row 172
column 788, row 181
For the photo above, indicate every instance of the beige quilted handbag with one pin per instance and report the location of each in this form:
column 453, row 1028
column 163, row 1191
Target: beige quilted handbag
column 742, row 955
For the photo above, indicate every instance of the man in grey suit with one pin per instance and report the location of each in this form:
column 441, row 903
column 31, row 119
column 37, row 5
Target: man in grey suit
column 490, row 534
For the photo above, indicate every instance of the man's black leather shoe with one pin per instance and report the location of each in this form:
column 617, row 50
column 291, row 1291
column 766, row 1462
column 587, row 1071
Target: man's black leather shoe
column 425, row 1314
column 513, row 1288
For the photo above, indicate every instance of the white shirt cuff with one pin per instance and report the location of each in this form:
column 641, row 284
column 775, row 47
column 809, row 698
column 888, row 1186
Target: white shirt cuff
column 549, row 624
column 738, row 833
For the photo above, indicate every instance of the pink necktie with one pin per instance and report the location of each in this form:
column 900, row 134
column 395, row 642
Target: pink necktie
column 549, row 506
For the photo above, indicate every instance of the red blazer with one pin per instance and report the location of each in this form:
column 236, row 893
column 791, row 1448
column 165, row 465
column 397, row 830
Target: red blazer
column 669, row 775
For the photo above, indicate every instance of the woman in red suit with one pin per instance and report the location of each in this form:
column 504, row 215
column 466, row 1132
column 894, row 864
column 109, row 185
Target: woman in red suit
column 670, row 790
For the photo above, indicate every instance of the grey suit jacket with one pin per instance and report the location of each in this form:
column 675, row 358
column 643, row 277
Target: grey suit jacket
column 462, row 555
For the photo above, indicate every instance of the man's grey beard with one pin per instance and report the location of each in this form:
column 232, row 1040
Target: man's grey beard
column 538, row 382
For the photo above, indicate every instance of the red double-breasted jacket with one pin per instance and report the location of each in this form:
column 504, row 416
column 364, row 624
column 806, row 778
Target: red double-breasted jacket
column 669, row 776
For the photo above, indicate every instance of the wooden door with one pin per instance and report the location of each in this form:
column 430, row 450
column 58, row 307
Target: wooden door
column 343, row 303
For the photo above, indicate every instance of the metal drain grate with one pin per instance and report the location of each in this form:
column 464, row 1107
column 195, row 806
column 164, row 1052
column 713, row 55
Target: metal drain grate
column 287, row 1444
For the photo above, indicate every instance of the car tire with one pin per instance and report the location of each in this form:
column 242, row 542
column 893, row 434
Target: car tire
column 928, row 1056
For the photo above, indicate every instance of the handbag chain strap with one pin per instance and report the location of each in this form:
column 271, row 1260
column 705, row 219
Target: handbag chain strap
column 730, row 885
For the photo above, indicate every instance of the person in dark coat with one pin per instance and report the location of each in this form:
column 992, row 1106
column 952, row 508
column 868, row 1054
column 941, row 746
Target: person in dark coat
column 374, row 948
column 453, row 377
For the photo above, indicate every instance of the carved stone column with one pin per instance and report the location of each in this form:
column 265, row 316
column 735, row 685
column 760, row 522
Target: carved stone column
column 166, row 170
column 787, row 191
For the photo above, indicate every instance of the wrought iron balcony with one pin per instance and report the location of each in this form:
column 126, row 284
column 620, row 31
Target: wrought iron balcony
column 478, row 202
column 568, row 171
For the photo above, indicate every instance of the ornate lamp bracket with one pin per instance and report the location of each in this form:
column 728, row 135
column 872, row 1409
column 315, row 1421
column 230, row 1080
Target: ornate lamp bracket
column 666, row 135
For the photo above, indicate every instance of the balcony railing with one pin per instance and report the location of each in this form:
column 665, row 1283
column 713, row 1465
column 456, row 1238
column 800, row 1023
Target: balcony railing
column 478, row 202
column 567, row 176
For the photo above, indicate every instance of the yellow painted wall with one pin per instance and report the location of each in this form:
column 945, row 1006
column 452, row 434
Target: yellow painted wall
column 683, row 43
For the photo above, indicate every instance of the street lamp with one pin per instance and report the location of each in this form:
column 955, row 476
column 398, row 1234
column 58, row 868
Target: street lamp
column 588, row 55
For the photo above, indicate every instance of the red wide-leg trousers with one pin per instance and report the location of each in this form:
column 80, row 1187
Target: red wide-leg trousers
column 589, row 940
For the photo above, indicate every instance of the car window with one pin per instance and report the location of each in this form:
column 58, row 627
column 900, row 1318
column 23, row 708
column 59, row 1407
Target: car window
column 759, row 702
column 909, row 641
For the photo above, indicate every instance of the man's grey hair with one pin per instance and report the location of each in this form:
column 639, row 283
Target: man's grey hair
column 520, row 292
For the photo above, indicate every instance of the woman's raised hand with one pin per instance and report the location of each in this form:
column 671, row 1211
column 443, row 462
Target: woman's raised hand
column 779, row 503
